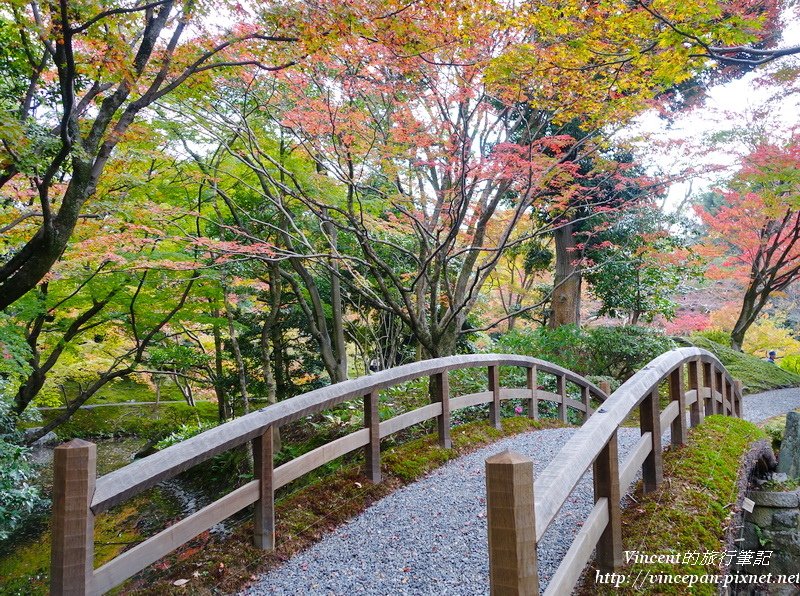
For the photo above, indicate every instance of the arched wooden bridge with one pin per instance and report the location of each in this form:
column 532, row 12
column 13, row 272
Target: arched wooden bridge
column 79, row 496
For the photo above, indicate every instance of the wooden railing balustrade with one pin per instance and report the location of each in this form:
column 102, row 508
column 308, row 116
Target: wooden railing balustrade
column 78, row 496
column 512, row 547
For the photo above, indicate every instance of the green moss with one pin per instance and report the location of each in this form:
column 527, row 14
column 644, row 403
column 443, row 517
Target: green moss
column 756, row 374
column 25, row 571
column 689, row 512
column 150, row 421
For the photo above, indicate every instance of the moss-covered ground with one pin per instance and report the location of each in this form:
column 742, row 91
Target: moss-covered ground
column 690, row 511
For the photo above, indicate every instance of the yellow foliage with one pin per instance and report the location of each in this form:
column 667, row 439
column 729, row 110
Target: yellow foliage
column 762, row 336
column 765, row 335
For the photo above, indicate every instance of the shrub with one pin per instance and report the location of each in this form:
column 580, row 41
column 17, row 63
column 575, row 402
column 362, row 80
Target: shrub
column 606, row 351
column 19, row 498
column 621, row 351
column 715, row 334
column 565, row 346
column 790, row 363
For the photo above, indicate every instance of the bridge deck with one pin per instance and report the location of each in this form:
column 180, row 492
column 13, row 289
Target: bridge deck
column 430, row 537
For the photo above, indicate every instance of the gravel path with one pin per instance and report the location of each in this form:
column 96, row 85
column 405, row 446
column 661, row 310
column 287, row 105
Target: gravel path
column 760, row 406
column 430, row 537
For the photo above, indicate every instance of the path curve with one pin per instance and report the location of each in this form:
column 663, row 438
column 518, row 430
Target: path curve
column 430, row 537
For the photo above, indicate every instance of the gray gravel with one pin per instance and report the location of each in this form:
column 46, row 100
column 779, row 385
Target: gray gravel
column 430, row 537
column 760, row 406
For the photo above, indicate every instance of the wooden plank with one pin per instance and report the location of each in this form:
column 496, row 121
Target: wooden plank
column 532, row 385
column 72, row 546
column 130, row 480
column 650, row 421
column 636, row 456
column 691, row 397
column 511, row 526
column 264, row 513
column 372, row 450
column 494, row 405
column 669, row 414
column 523, row 393
column 678, row 396
column 391, row 426
column 606, row 485
column 151, row 550
column 471, row 399
column 320, row 456
column 580, row 551
column 561, row 390
column 441, row 388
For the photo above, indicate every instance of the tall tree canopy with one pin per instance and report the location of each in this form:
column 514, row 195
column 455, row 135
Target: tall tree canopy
column 756, row 231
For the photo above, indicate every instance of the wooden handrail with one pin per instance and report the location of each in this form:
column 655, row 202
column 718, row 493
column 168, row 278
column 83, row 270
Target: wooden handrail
column 122, row 484
column 595, row 444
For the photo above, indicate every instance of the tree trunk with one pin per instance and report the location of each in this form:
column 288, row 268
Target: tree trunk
column 237, row 353
column 566, row 302
column 747, row 316
column 219, row 390
column 337, row 316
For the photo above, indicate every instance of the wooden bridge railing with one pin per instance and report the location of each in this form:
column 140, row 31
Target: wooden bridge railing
column 533, row 505
column 78, row 496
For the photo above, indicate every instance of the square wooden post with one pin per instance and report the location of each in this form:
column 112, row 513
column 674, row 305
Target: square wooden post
column 511, row 525
column 708, row 382
column 72, row 549
column 494, row 405
column 737, row 392
column 585, row 398
column 606, row 485
column 561, row 389
column 720, row 385
column 533, row 401
column 650, row 417
column 372, row 451
column 441, row 393
column 264, row 512
column 697, row 410
column 678, row 429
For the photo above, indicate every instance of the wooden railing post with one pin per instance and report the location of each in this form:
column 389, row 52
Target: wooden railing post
column 533, row 401
column 678, row 429
column 697, row 411
column 719, row 383
column 738, row 393
column 708, row 382
column 264, row 513
column 494, row 406
column 650, row 417
column 561, row 389
column 585, row 398
column 606, row 485
column 441, row 393
column 72, row 549
column 511, row 525
column 372, row 450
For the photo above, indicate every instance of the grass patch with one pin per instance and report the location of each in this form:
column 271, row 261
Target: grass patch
column 756, row 374
column 691, row 510
column 214, row 565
